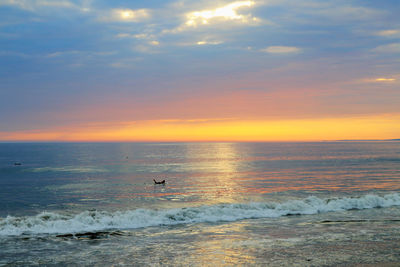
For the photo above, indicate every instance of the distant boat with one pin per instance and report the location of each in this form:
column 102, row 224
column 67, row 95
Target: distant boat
column 17, row 163
column 162, row 182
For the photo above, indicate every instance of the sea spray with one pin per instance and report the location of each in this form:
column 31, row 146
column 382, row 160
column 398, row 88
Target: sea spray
column 90, row 221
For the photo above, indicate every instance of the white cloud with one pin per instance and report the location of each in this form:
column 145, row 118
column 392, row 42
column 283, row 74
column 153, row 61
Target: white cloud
column 236, row 13
column 154, row 42
column 205, row 42
column 227, row 12
column 139, row 36
column 142, row 36
column 389, row 48
column 281, row 50
column 127, row 15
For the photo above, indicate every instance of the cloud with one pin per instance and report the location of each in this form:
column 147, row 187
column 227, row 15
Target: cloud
column 381, row 80
column 233, row 12
column 388, row 33
column 62, row 4
column 227, row 12
column 14, row 54
column 81, row 53
column 147, row 48
column 389, row 48
column 281, row 50
column 150, row 39
column 126, row 15
column 385, row 80
column 205, row 42
column 349, row 12
column 124, row 35
column 63, row 53
column 154, row 42
column 35, row 5
column 176, row 120
column 320, row 13
column 144, row 43
column 334, row 11
column 201, row 41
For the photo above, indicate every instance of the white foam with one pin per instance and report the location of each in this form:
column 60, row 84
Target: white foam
column 89, row 221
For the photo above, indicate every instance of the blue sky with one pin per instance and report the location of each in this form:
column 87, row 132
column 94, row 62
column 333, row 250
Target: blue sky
column 66, row 62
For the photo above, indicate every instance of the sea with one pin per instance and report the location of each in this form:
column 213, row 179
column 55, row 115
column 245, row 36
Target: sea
column 223, row 204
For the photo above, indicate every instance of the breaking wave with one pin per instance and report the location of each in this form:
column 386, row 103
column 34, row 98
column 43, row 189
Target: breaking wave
column 91, row 221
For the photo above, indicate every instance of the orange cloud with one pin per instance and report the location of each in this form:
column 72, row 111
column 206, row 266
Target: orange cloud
column 385, row 80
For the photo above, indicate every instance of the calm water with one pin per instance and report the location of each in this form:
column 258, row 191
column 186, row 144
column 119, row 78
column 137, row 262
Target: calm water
column 222, row 204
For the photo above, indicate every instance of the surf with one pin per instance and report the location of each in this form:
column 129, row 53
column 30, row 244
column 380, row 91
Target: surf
column 95, row 221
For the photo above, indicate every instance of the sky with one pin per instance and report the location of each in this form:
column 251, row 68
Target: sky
column 257, row 70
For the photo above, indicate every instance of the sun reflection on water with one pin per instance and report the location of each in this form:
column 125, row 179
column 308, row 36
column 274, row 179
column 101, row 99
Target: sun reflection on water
column 220, row 160
column 221, row 241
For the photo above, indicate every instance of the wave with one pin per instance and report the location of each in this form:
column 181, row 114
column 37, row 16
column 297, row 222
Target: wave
column 92, row 221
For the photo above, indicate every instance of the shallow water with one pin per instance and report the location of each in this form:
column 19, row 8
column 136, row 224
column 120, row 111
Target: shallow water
column 223, row 203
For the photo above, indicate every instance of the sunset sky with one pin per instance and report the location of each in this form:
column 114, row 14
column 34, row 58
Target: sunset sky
column 152, row 70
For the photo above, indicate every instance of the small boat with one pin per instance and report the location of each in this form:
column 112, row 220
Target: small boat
column 162, row 182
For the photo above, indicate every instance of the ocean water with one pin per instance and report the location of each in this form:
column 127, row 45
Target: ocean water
column 223, row 204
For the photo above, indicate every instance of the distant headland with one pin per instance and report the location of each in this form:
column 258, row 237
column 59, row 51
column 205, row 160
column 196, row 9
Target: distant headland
column 366, row 140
